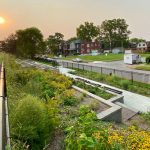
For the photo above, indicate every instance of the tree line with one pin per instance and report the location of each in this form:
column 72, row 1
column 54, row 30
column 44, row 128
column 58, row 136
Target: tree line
column 30, row 41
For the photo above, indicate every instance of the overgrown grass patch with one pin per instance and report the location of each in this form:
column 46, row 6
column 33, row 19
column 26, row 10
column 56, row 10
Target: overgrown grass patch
column 94, row 90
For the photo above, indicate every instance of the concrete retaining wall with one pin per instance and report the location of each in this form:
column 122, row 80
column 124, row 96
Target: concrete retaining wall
column 114, row 113
column 134, row 76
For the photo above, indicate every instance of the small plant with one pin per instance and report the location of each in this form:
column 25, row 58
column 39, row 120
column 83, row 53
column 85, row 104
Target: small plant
column 125, row 84
column 70, row 101
column 94, row 105
column 55, row 63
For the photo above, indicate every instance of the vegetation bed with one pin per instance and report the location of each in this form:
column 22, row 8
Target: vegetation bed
column 42, row 115
column 94, row 90
column 136, row 87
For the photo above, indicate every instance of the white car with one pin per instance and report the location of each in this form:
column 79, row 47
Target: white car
column 77, row 60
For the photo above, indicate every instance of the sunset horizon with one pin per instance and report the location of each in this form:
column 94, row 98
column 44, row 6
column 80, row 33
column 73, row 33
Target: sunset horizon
column 65, row 16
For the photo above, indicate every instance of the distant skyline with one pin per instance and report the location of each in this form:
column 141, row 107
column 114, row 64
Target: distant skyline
column 65, row 16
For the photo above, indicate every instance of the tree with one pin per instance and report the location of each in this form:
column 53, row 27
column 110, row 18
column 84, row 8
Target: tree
column 30, row 42
column 10, row 44
column 72, row 39
column 114, row 31
column 137, row 40
column 87, row 32
column 54, row 41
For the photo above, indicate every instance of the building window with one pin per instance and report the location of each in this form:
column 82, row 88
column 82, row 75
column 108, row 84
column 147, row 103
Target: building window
column 143, row 44
column 88, row 45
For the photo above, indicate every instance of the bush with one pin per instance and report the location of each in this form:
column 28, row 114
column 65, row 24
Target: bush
column 55, row 63
column 70, row 101
column 148, row 60
column 31, row 123
column 125, row 84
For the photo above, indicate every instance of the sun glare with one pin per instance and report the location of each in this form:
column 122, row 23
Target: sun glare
column 2, row 20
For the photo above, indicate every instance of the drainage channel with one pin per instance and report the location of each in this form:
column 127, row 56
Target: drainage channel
column 98, row 85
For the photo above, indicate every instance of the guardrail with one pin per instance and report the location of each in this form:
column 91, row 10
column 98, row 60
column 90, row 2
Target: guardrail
column 4, row 122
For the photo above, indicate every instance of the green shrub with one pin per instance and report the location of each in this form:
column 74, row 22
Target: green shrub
column 125, row 84
column 70, row 101
column 94, row 105
column 80, row 132
column 31, row 123
column 55, row 63
column 147, row 117
column 148, row 60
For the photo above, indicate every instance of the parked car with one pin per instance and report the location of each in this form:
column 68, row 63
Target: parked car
column 77, row 60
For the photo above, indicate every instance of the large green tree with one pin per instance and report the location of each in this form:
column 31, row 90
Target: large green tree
column 87, row 31
column 72, row 39
column 114, row 31
column 30, row 42
column 54, row 41
column 9, row 45
column 137, row 40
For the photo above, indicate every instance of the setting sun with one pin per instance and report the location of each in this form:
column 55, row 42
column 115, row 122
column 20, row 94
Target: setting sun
column 2, row 20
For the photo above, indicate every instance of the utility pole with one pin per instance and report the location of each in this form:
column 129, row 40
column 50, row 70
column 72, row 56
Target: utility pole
column 110, row 46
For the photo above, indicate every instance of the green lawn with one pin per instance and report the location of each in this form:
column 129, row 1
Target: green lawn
column 143, row 67
column 145, row 55
column 102, row 57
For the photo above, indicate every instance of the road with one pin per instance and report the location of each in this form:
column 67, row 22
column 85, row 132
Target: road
column 119, row 65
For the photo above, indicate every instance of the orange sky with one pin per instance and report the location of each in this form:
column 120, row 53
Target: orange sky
column 64, row 16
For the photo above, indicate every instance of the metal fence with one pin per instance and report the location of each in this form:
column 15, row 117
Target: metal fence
column 4, row 122
column 130, row 75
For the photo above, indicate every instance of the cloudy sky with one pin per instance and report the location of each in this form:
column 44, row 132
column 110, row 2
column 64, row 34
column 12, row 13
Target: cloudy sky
column 64, row 16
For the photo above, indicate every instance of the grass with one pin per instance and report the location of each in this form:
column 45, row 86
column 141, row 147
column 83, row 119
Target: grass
column 102, row 57
column 94, row 90
column 145, row 55
column 136, row 87
column 143, row 67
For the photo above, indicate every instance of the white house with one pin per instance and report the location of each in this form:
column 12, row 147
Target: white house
column 142, row 46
